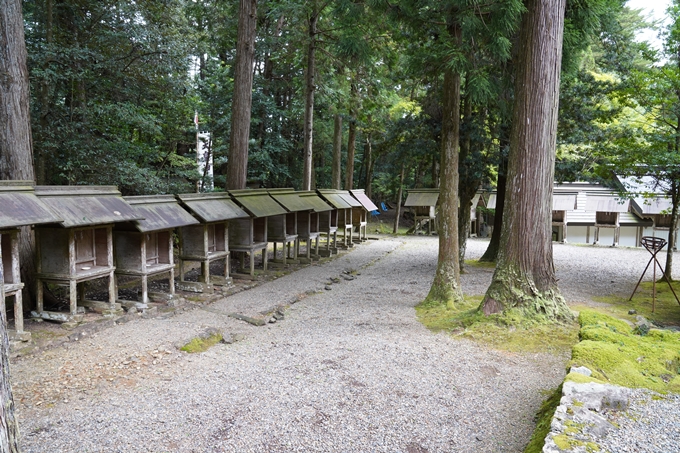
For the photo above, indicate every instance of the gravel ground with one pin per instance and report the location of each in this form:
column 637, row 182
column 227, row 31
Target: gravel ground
column 349, row 369
column 651, row 425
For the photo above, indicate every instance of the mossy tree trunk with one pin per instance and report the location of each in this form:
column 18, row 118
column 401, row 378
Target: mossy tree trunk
column 446, row 284
column 524, row 279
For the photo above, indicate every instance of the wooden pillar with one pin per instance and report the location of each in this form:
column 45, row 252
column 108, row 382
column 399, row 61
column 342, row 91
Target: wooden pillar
column 73, row 296
column 16, row 273
column 205, row 264
column 171, row 260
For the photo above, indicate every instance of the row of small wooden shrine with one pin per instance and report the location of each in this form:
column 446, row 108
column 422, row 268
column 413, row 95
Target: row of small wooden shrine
column 85, row 233
column 582, row 212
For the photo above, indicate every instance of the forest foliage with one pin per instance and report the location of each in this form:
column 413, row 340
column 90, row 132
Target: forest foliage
column 115, row 86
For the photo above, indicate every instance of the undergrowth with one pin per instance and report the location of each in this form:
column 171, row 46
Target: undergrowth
column 666, row 309
column 509, row 331
column 618, row 354
column 543, row 419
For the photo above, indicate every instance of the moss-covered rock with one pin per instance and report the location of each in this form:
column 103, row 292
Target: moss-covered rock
column 616, row 355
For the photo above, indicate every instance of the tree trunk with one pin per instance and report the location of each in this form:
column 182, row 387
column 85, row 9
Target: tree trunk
column 9, row 427
column 351, row 141
column 267, row 76
column 16, row 162
column 368, row 159
column 310, row 87
column 400, row 194
column 675, row 198
column 16, row 144
column 466, row 187
column 237, row 165
column 524, row 279
column 446, row 284
column 491, row 253
column 45, row 107
column 336, row 171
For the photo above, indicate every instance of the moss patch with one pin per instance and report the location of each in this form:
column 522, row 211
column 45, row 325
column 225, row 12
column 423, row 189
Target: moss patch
column 543, row 419
column 509, row 331
column 667, row 309
column 610, row 348
column 482, row 264
column 202, row 344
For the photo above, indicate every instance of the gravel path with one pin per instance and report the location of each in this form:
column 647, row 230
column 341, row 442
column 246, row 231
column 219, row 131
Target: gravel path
column 349, row 369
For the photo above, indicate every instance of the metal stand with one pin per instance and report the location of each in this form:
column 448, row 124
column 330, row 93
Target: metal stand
column 654, row 246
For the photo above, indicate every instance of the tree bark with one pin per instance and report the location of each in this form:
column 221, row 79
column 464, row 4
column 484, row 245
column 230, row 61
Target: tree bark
column 524, row 279
column 16, row 162
column 310, row 87
column 491, row 253
column 467, row 183
column 16, row 143
column 400, row 194
column 446, row 284
column 45, row 107
column 242, row 100
column 368, row 159
column 351, row 141
column 336, row 171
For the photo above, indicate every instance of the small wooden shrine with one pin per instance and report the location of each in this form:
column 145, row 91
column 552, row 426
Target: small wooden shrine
column 422, row 203
column 656, row 208
column 360, row 214
column 18, row 207
column 296, row 219
column 79, row 248
column 309, row 224
column 343, row 208
column 607, row 208
column 208, row 241
column 144, row 248
column 562, row 204
column 251, row 234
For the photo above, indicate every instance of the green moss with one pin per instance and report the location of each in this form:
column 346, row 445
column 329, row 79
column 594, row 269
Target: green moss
column 482, row 264
column 201, row 344
column 666, row 308
column 509, row 331
column 562, row 441
column 565, row 442
column 573, row 427
column 582, row 378
column 616, row 355
column 543, row 419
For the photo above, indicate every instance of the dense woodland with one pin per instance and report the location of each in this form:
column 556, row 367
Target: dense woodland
column 115, row 84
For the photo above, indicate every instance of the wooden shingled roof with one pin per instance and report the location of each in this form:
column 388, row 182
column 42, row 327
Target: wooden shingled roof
column 291, row 200
column 159, row 212
column 333, row 197
column 212, row 207
column 564, row 202
column 257, row 202
column 19, row 206
column 319, row 205
column 422, row 197
column 606, row 202
column 86, row 205
column 360, row 195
